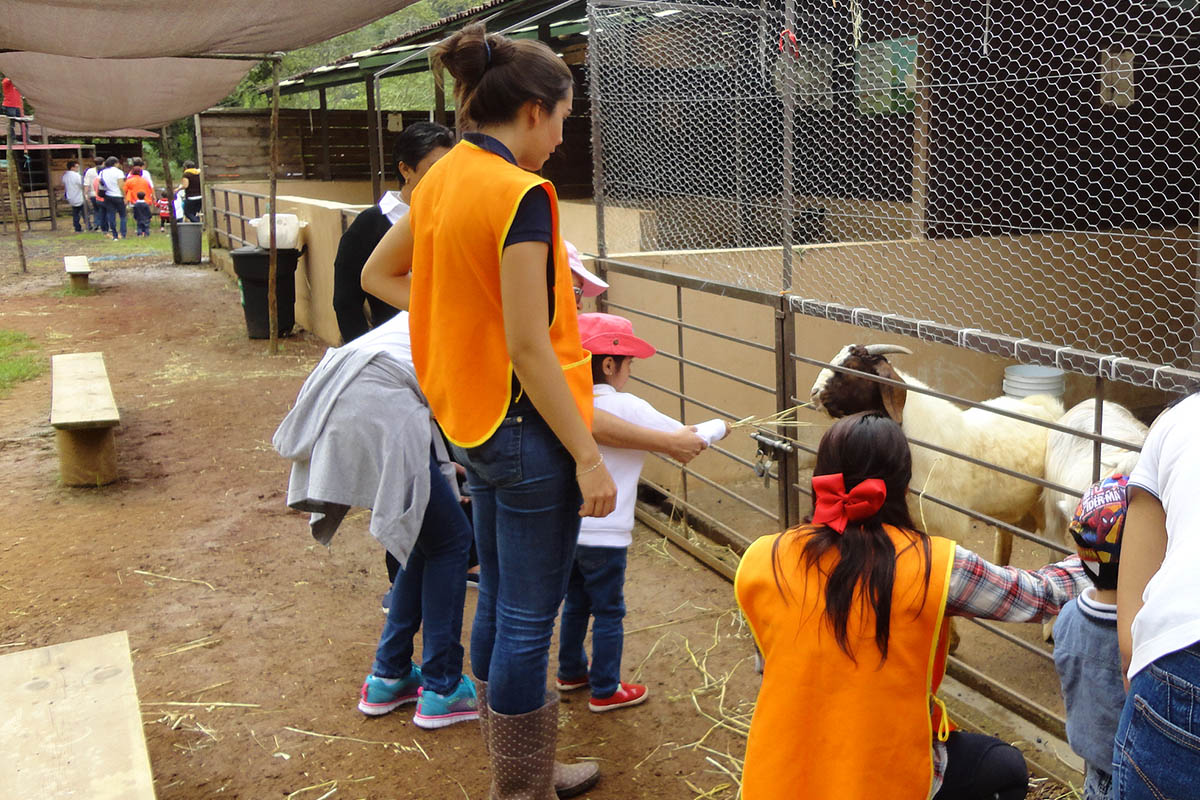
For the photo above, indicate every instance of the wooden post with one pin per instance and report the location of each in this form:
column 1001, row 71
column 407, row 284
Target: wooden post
column 326, row 171
column 14, row 195
column 273, row 262
column 165, row 150
column 199, row 147
column 51, row 190
column 372, row 134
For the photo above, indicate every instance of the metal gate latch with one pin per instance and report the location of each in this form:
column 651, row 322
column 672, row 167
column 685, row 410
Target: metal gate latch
column 769, row 449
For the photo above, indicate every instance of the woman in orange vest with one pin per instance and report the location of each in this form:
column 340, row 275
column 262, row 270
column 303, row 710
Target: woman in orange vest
column 480, row 264
column 850, row 613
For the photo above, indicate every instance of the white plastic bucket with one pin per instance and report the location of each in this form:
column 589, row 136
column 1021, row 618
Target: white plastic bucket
column 287, row 230
column 1024, row 380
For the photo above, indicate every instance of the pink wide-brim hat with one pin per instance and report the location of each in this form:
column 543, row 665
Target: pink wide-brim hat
column 592, row 285
column 611, row 335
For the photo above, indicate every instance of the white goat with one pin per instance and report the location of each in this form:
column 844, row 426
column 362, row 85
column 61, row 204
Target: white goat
column 1069, row 459
column 994, row 438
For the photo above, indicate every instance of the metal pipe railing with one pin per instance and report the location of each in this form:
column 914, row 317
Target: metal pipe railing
column 726, row 491
column 697, row 328
column 229, row 215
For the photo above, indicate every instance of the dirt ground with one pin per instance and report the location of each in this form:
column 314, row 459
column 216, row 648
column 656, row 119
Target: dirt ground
column 227, row 599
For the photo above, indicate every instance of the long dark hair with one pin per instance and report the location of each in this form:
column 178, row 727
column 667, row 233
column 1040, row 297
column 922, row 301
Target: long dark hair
column 861, row 446
column 494, row 75
column 417, row 141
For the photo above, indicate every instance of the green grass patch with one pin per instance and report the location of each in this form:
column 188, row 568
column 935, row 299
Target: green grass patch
column 19, row 360
column 71, row 291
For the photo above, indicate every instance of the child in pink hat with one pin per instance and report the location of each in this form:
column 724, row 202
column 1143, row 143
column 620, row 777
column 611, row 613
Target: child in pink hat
column 597, row 581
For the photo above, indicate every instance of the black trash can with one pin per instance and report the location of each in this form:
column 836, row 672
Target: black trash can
column 252, row 266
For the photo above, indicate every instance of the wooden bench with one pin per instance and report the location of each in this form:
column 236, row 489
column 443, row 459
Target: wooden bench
column 78, row 270
column 83, row 413
column 72, row 725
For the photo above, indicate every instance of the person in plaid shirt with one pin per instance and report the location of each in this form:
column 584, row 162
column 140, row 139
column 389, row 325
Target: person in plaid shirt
column 850, row 613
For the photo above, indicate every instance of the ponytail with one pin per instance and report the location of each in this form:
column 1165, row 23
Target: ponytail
column 494, row 75
column 862, row 447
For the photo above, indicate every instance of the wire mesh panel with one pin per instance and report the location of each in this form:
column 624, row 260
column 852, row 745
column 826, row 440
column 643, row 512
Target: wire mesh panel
column 1025, row 168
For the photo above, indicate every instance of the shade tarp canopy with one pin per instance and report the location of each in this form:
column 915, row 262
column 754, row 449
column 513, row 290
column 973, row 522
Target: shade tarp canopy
column 82, row 70
column 103, row 94
column 138, row 29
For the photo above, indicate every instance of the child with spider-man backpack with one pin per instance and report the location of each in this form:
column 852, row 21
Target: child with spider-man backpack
column 1087, row 654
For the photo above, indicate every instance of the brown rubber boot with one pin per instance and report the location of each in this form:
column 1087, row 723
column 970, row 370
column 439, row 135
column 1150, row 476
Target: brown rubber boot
column 484, row 711
column 521, row 749
column 572, row 779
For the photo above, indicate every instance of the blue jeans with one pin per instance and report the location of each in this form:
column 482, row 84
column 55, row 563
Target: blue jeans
column 526, row 508
column 99, row 216
column 1157, row 751
column 595, row 589
column 431, row 587
column 78, row 213
column 114, row 208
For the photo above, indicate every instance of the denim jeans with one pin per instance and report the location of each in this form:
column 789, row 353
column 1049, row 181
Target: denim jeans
column 431, row 588
column 597, row 589
column 78, row 213
column 99, row 215
column 526, row 507
column 1157, row 751
column 114, row 208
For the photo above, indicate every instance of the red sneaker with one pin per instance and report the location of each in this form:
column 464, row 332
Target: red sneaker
column 570, row 684
column 630, row 694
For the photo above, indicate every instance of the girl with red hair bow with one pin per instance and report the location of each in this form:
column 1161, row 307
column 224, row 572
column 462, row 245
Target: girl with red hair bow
column 850, row 613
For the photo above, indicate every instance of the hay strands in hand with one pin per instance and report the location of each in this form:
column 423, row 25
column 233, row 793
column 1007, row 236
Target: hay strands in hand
column 780, row 419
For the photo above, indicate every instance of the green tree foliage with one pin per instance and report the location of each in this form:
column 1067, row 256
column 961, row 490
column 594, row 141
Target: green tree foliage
column 182, row 136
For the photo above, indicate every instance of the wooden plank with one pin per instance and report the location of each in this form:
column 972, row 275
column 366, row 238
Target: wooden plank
column 81, row 396
column 76, row 265
column 645, row 515
column 72, row 726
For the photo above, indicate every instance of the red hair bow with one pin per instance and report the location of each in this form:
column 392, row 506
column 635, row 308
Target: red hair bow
column 836, row 507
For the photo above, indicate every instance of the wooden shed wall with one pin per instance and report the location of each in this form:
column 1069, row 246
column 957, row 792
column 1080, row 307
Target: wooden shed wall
column 236, row 143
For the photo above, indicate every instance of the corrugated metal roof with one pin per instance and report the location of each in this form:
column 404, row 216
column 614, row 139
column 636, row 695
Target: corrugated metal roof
column 404, row 45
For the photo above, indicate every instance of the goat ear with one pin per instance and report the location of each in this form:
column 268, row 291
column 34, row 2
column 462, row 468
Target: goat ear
column 893, row 396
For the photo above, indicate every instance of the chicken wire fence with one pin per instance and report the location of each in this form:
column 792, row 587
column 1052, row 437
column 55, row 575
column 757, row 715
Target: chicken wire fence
column 1024, row 168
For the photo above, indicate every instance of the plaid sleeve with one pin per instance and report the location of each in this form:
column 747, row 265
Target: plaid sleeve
column 1009, row 594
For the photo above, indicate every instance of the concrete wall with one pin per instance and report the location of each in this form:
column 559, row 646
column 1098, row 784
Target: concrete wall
column 1107, row 292
column 352, row 192
column 314, row 278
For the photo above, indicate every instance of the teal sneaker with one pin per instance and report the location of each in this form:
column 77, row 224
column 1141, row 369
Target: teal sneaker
column 437, row 711
column 377, row 697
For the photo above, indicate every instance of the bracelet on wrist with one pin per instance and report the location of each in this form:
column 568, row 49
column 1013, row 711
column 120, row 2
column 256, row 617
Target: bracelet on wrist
column 580, row 473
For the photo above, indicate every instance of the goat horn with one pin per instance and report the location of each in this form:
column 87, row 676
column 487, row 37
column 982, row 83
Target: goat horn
column 885, row 349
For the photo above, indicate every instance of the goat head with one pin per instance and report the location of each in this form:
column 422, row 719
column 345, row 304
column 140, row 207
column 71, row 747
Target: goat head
column 840, row 394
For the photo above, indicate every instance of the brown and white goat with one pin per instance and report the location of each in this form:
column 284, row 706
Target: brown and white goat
column 1015, row 445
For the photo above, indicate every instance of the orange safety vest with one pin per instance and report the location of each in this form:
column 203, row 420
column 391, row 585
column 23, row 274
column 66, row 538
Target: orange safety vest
column 460, row 216
column 825, row 727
